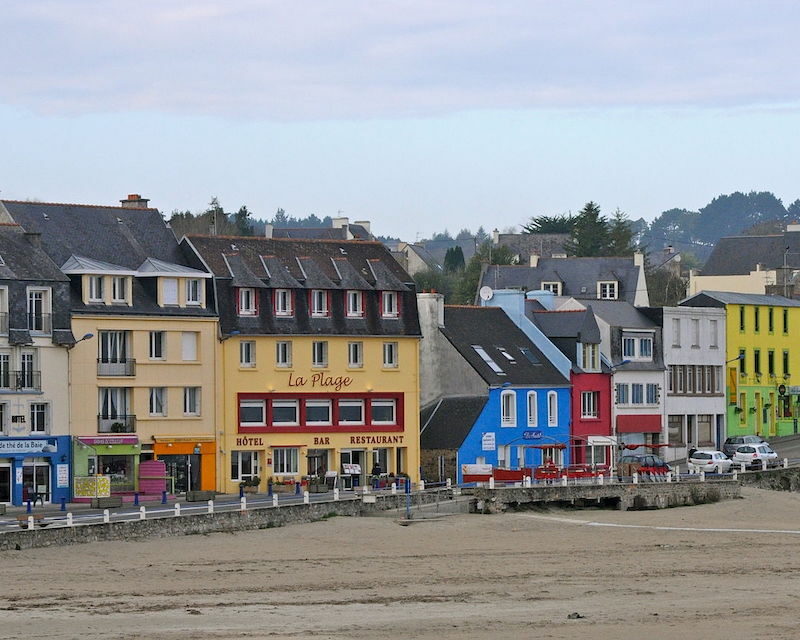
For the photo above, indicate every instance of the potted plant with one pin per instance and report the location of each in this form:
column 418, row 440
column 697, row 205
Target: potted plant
column 250, row 485
column 117, row 427
column 283, row 485
column 317, row 484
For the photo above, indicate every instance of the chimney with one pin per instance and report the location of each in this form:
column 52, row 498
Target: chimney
column 430, row 307
column 338, row 223
column 669, row 250
column 364, row 223
column 495, row 236
column 34, row 237
column 638, row 259
column 534, row 260
column 134, row 201
column 268, row 229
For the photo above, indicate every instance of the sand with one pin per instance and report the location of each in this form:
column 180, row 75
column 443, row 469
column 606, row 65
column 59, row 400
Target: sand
column 517, row 575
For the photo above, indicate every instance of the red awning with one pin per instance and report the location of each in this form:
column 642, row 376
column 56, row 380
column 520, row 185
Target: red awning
column 643, row 423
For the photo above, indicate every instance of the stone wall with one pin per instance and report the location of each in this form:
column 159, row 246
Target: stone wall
column 774, row 479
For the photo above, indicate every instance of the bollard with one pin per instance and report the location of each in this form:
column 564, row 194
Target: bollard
column 269, row 489
column 211, row 506
column 743, row 467
column 702, row 476
column 491, row 482
column 394, row 488
column 30, row 522
column 63, row 504
column 635, row 478
column 297, row 488
column 735, row 474
column 106, row 516
column 669, row 476
column 785, row 463
column 422, row 485
column 177, row 509
column 163, row 497
column 366, row 488
column 563, row 481
column 306, row 497
column 274, row 499
column 136, row 499
column 763, row 464
column 69, row 519
column 336, row 493
column 449, row 483
column 28, row 510
column 601, row 479
column 243, row 504
column 142, row 513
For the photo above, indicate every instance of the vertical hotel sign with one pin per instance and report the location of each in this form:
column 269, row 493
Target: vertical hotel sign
column 733, row 385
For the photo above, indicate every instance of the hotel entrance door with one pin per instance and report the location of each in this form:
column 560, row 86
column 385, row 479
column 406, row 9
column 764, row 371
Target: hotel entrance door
column 5, row 484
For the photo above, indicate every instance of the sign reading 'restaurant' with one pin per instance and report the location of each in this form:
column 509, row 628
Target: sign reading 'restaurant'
column 320, row 381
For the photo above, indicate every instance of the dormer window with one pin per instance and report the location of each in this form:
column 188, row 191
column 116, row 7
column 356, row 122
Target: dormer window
column 607, row 290
column 355, row 304
column 319, row 303
column 194, row 295
column 637, row 347
column 95, row 289
column 247, row 302
column 590, row 357
column 283, row 302
column 119, row 289
column 552, row 287
column 169, row 288
column 389, row 308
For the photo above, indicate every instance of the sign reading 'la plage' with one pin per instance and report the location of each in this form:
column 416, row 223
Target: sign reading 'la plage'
column 320, row 381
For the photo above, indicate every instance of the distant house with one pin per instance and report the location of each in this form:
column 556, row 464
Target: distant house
column 438, row 248
column 490, row 397
column 340, row 229
column 580, row 278
column 525, row 245
column 415, row 258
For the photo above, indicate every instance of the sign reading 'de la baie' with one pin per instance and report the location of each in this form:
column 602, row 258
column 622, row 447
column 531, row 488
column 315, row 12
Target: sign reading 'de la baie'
column 29, row 446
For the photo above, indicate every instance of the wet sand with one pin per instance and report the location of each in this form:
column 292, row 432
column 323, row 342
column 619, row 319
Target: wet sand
column 516, row 575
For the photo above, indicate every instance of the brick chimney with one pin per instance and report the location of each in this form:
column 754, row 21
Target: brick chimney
column 134, row 201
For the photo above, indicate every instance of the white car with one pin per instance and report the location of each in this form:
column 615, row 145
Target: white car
column 752, row 455
column 710, row 461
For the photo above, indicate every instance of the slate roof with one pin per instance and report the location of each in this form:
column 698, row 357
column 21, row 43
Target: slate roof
column 579, row 324
column 618, row 313
column 445, row 423
column 579, row 276
column 519, row 361
column 739, row 255
column 721, row 298
column 425, row 256
column 540, row 244
column 22, row 259
column 81, row 264
column 359, row 232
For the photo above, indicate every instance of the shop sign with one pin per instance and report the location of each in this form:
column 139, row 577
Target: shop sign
column 351, row 469
column 794, row 390
column 376, row 439
column 488, row 441
column 111, row 440
column 532, row 435
column 62, row 476
column 476, row 469
column 28, row 446
column 320, row 381
column 249, row 442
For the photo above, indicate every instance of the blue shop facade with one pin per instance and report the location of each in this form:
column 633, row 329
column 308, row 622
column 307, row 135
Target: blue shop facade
column 35, row 467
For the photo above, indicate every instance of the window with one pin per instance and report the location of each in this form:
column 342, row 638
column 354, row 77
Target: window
column 252, row 413
column 589, row 404
column 170, row 290
column 553, row 455
column 194, row 292
column 637, row 347
column 646, row 348
column 318, row 412
column 508, row 409
column 607, row 290
column 742, row 362
column 629, row 347
column 189, row 345
column 351, row 412
column 651, row 396
column 383, row 412
column 283, row 353
column 95, row 288
column 786, row 372
column 743, row 407
column 637, row 393
column 319, row 303
column 771, row 363
column 3, row 416
column 355, row 355
column 390, row 356
column 319, row 354
column 285, row 413
column 590, row 357
column 119, row 289
column 247, row 302
column 690, row 388
column 39, row 310
column 756, row 318
column 247, row 353
column 675, row 430
column 552, row 287
column 38, row 415
column 355, row 304
column 714, row 331
column 695, row 333
column 770, row 319
column 757, row 361
column 676, row 332
column 622, row 393
column 283, row 302
column 389, row 308
column 285, row 460
column 741, row 318
column 533, row 409
column 552, row 409
column 786, row 321
column 488, row 359
column 244, row 465
column 191, row 401
column 157, row 345
column 158, row 401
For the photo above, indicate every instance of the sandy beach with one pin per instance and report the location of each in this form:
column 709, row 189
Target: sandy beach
column 700, row 571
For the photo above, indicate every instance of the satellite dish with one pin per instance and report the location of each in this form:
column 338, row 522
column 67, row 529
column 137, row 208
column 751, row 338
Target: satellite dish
column 486, row 293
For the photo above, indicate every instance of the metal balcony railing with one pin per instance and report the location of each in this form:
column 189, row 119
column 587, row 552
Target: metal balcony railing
column 120, row 367
column 27, row 379
column 40, row 323
column 117, row 424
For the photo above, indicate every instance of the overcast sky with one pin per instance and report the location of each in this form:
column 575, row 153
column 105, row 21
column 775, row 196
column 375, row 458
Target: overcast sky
column 416, row 115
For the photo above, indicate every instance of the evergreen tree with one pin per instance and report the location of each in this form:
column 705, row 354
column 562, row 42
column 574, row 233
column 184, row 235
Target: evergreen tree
column 550, row 224
column 454, row 260
column 590, row 233
column 620, row 235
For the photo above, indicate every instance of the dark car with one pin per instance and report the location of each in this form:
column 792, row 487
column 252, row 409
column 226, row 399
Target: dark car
column 734, row 442
column 645, row 464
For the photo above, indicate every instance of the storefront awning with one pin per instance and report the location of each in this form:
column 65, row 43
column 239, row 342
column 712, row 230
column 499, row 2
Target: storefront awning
column 642, row 423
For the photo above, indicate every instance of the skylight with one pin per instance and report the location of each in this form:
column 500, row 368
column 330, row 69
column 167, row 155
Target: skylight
column 488, row 359
column 530, row 356
column 507, row 355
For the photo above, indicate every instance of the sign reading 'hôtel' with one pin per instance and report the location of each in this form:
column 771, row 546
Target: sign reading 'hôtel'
column 320, row 381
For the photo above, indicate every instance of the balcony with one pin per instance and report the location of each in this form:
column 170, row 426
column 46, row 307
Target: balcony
column 26, row 380
column 40, row 323
column 117, row 424
column 120, row 367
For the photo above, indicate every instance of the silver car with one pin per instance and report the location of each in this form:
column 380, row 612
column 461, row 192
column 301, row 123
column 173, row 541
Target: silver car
column 752, row 455
column 710, row 461
column 734, row 442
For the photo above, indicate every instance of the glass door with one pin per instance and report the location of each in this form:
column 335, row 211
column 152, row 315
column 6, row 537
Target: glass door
column 36, row 481
column 5, row 484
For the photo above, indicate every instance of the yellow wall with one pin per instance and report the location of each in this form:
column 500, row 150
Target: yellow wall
column 267, row 377
column 755, row 282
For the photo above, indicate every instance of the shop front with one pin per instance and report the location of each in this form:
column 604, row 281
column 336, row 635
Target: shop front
column 113, row 457
column 191, row 463
column 34, row 469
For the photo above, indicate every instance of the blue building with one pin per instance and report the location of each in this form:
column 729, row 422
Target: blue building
column 490, row 396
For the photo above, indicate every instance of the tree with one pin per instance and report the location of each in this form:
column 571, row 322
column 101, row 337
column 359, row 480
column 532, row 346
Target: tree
column 793, row 212
column 280, row 219
column 620, row 235
column 464, row 234
column 436, row 280
column 241, row 220
column 438, row 237
column 481, row 236
column 589, row 234
column 550, row 224
column 486, row 254
column 454, row 260
column 664, row 288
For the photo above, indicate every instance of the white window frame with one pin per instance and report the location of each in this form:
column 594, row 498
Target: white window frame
column 237, row 459
column 319, row 354
column 508, row 408
column 3, row 416
column 251, row 403
column 355, row 303
column 384, row 402
column 652, row 390
column 355, row 355
column 246, row 301
column 328, row 404
column 96, row 287
column 391, row 355
column 283, row 353
column 247, row 354
column 623, row 396
column 552, row 409
column 590, row 401
column 169, row 291
column 319, row 303
column 194, row 292
column 282, row 301
column 158, row 401
column 189, row 346
column 552, row 287
column 43, row 410
column 533, row 408
column 607, row 290
column 119, row 285
column 590, row 356
column 637, row 392
column 285, row 461
column 352, row 402
column 632, row 343
column 158, row 342
column 191, row 401
column 286, row 403
column 389, row 304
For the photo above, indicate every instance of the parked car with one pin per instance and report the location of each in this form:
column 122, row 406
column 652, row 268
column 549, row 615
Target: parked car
column 645, row 464
column 752, row 455
column 710, row 461
column 734, row 442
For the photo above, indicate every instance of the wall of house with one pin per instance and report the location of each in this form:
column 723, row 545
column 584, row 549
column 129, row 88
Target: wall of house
column 754, row 282
column 584, row 429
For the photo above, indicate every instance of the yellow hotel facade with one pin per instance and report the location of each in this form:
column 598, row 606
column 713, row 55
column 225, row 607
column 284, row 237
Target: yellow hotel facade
column 319, row 361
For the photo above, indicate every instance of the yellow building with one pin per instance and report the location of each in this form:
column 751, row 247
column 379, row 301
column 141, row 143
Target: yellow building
column 762, row 358
column 320, row 374
column 142, row 381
